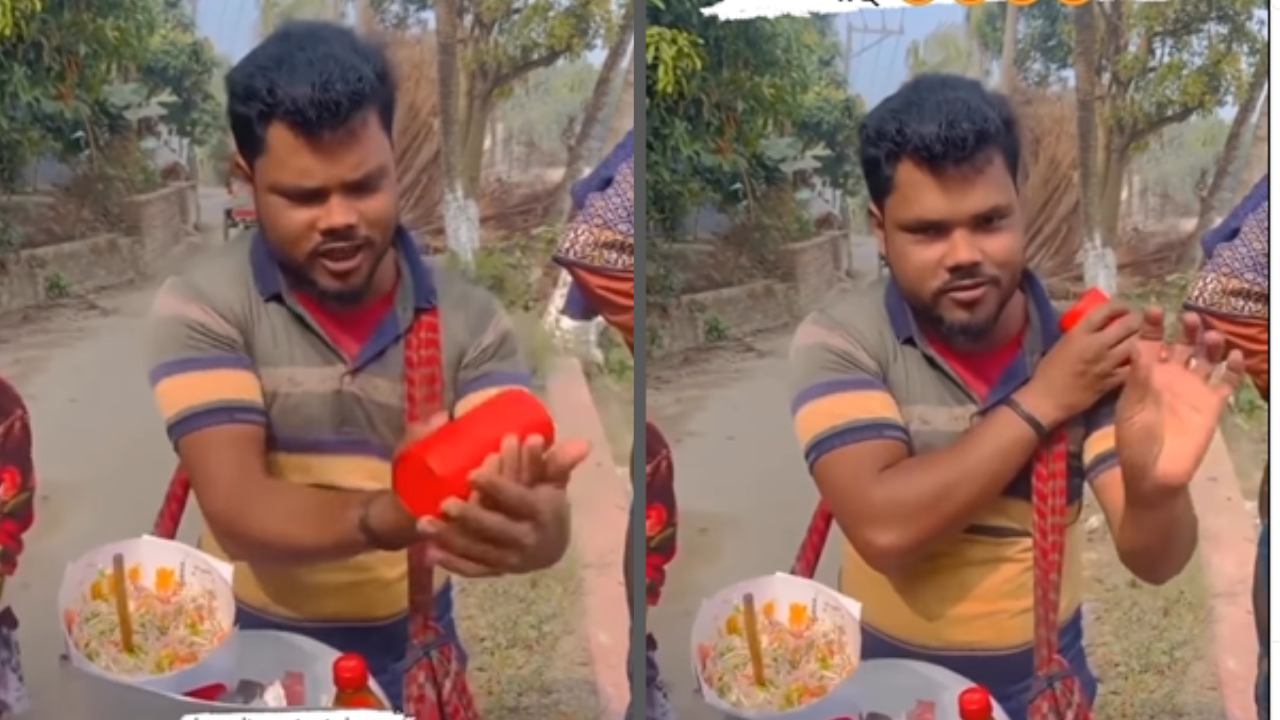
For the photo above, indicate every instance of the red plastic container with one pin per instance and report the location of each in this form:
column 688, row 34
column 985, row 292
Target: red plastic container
column 976, row 704
column 1091, row 300
column 439, row 466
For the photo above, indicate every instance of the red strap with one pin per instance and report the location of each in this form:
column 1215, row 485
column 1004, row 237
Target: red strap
column 1059, row 695
column 435, row 683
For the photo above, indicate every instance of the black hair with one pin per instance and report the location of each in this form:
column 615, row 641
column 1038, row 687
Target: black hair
column 315, row 77
column 943, row 122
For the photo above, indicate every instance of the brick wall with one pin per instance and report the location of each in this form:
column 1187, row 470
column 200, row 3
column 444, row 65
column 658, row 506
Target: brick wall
column 154, row 226
column 803, row 274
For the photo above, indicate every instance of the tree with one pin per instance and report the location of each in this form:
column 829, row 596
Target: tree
column 81, row 72
column 1009, row 50
column 1099, row 267
column 499, row 43
column 1212, row 196
column 15, row 15
column 1157, row 65
column 624, row 115
column 273, row 13
column 590, row 136
column 718, row 92
column 1256, row 164
column 945, row 50
column 494, row 44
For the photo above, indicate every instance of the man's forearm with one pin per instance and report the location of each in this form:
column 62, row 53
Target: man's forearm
column 927, row 498
column 284, row 523
column 1155, row 540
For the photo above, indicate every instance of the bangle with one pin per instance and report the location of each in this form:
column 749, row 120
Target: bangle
column 1042, row 432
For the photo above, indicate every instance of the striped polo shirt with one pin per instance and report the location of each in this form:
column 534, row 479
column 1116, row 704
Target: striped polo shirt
column 230, row 343
column 862, row 370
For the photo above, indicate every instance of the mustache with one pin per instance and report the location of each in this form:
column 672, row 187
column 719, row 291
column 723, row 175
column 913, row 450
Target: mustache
column 968, row 277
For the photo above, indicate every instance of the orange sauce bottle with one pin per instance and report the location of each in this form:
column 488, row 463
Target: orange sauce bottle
column 351, row 684
column 439, row 466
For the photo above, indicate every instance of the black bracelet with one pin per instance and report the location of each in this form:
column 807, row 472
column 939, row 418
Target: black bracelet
column 1042, row 432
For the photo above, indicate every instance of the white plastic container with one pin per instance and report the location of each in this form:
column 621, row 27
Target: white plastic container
column 151, row 554
column 783, row 590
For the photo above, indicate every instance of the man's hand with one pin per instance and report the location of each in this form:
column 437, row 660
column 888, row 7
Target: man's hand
column 1087, row 363
column 1170, row 406
column 518, row 519
column 386, row 522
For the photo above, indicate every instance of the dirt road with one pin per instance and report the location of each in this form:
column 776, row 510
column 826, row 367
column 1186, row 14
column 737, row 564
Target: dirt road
column 101, row 452
column 736, row 461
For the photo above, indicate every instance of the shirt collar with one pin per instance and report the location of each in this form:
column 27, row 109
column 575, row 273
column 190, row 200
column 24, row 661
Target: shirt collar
column 1044, row 315
column 270, row 282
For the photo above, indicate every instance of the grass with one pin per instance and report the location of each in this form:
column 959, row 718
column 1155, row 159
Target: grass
column 528, row 657
column 1151, row 647
column 528, row 653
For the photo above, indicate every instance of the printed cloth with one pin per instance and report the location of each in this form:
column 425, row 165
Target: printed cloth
column 17, row 514
column 598, row 246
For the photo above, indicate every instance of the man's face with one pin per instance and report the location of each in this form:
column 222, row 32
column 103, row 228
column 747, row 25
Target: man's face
column 954, row 243
column 328, row 207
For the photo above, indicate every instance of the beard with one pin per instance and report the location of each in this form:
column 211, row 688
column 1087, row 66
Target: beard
column 968, row 331
column 304, row 278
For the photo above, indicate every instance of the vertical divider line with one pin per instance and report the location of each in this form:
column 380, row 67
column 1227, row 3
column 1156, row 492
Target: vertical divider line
column 635, row 556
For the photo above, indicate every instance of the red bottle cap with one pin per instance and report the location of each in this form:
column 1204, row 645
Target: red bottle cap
column 1092, row 299
column 350, row 673
column 975, row 704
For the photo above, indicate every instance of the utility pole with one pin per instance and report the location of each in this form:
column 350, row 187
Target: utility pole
column 878, row 32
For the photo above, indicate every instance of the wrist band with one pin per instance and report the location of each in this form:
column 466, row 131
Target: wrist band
column 1042, row 432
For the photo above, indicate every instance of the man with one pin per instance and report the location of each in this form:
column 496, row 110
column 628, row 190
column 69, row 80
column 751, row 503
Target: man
column 922, row 401
column 279, row 368
column 1232, row 293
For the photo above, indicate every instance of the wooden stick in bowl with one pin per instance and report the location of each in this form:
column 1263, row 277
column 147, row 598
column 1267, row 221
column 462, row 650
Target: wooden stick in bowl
column 120, row 589
column 752, row 629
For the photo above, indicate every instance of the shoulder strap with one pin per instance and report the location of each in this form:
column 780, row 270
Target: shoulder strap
column 424, row 396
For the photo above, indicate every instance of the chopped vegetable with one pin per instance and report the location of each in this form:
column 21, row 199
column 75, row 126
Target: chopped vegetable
column 804, row 657
column 175, row 625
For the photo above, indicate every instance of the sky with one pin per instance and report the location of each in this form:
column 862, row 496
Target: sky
column 231, row 24
column 880, row 70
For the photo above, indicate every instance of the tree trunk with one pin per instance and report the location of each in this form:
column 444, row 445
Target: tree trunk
column 1211, row 198
column 1009, row 50
column 1097, row 257
column 624, row 115
column 461, row 216
column 975, row 61
column 587, row 144
column 1256, row 166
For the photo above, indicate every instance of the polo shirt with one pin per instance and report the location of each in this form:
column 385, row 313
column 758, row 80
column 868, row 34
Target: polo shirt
column 230, row 343
column 862, row 370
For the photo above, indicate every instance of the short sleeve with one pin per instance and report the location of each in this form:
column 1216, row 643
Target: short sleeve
column 493, row 360
column 201, row 374
column 1100, row 439
column 839, row 397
